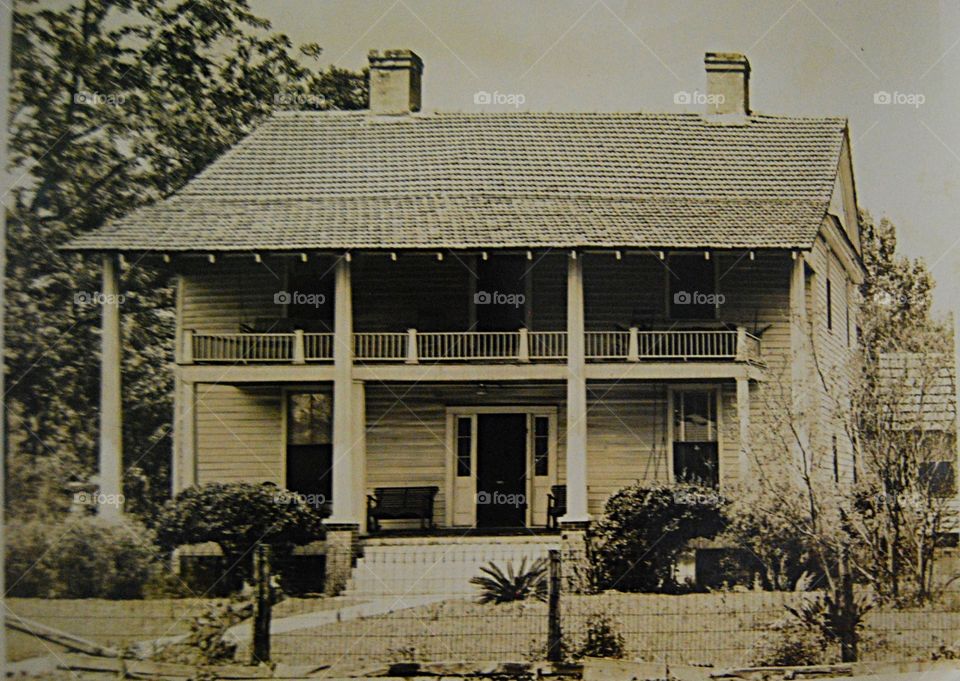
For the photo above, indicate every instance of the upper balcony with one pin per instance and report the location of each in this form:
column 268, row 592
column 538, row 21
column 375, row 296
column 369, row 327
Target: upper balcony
column 523, row 346
column 641, row 315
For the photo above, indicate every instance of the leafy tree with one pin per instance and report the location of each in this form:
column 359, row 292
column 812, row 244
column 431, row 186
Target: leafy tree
column 116, row 103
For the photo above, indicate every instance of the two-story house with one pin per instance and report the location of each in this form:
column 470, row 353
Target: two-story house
column 521, row 312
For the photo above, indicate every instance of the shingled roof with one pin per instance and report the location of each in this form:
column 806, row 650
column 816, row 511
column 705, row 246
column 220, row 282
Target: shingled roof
column 350, row 180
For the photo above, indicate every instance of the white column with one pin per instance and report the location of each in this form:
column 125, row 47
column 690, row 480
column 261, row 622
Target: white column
column 576, row 396
column 111, row 417
column 344, row 468
column 743, row 414
column 359, row 453
column 184, row 473
column 800, row 350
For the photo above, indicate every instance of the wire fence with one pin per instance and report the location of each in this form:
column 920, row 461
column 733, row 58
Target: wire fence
column 488, row 604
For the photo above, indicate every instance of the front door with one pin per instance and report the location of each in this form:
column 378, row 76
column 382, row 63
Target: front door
column 501, row 470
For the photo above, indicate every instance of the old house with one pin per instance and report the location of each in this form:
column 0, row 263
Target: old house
column 503, row 317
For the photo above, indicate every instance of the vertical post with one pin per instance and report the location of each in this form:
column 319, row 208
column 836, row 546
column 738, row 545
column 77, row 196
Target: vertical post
column 184, row 472
column 956, row 383
column 554, row 632
column 360, row 453
column 412, row 347
column 523, row 347
column 633, row 349
column 261, row 605
column 344, row 504
column 741, row 352
column 799, row 350
column 299, row 351
column 186, row 349
column 576, row 396
column 743, row 414
column 111, row 416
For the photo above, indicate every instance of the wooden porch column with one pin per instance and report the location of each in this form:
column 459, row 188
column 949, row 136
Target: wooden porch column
column 743, row 414
column 344, row 469
column 110, row 463
column 359, row 453
column 576, row 397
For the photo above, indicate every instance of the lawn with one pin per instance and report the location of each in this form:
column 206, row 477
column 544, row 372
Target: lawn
column 718, row 629
column 123, row 623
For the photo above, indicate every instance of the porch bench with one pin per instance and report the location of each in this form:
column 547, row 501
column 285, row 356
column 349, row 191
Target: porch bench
column 401, row 503
column 556, row 505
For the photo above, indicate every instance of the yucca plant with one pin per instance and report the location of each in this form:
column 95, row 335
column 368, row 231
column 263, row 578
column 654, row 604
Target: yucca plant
column 499, row 586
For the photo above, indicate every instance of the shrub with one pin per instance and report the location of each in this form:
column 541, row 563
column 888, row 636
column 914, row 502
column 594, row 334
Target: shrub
column 86, row 557
column 644, row 529
column 601, row 639
column 790, row 644
column 236, row 517
column 497, row 586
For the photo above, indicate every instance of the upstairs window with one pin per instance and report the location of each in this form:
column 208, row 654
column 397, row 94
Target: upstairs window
column 829, row 306
column 692, row 287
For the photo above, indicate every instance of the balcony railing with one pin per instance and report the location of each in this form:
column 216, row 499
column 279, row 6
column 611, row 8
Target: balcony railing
column 523, row 346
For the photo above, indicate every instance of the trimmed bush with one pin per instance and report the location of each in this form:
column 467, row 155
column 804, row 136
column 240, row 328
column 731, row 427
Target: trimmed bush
column 83, row 557
column 236, row 517
column 644, row 529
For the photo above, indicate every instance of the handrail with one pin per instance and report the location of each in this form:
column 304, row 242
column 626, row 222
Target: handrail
column 471, row 346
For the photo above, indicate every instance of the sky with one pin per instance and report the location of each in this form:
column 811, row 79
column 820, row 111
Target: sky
column 891, row 67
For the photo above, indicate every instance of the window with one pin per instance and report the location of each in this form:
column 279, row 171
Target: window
column 695, row 452
column 939, row 477
column 692, row 287
column 464, row 441
column 829, row 306
column 846, row 315
column 541, row 445
column 309, row 446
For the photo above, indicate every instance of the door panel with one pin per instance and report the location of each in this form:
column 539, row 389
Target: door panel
column 501, row 470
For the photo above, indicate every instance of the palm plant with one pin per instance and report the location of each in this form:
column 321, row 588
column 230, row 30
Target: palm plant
column 499, row 586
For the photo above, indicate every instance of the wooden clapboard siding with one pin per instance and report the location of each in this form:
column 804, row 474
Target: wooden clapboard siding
column 618, row 293
column 217, row 298
column 626, row 438
column 729, row 435
column 238, row 433
column 413, row 292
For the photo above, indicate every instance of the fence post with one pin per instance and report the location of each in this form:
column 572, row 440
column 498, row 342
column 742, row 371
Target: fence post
column 262, row 604
column 554, row 632
column 412, row 347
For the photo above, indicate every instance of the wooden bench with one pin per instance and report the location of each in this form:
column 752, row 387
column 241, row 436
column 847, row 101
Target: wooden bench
column 400, row 503
column 556, row 505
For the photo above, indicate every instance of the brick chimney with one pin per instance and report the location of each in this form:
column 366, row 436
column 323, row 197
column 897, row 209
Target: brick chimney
column 728, row 83
column 394, row 81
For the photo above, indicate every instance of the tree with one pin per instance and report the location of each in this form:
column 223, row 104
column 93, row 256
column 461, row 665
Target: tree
column 116, row 103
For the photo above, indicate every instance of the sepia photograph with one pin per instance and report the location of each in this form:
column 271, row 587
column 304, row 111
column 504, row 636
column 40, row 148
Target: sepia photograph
column 593, row 340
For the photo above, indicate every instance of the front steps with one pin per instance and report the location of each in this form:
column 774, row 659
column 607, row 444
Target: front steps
column 408, row 566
